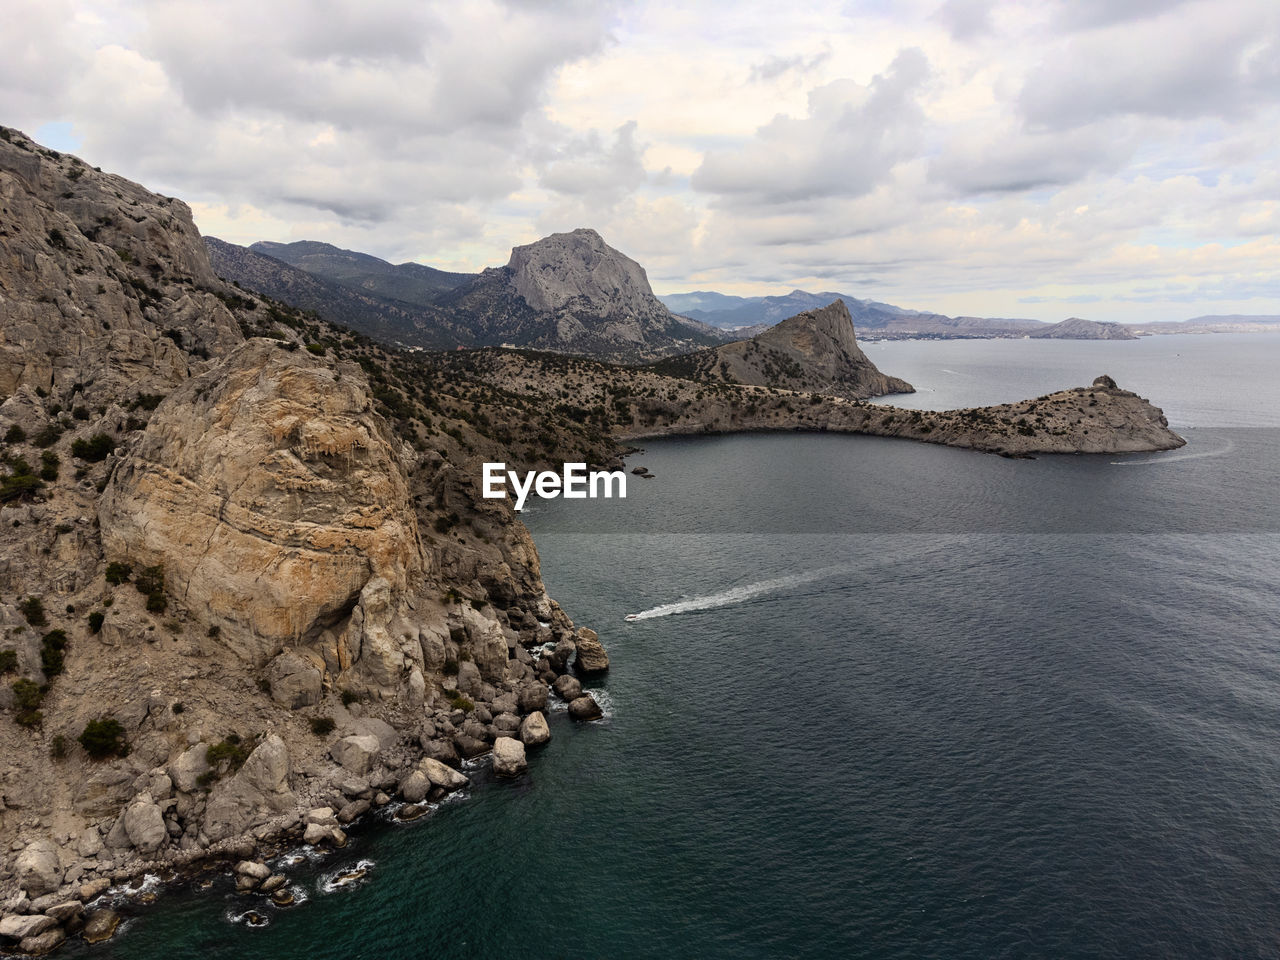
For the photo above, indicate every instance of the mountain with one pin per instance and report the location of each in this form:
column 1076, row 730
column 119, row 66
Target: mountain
column 1230, row 323
column 813, row 352
column 391, row 321
column 404, row 282
column 1076, row 328
column 884, row 320
column 573, row 293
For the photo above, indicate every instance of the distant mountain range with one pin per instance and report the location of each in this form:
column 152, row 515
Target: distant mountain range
column 882, row 320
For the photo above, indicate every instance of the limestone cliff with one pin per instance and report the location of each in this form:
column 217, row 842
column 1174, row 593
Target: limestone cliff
column 813, row 352
column 573, row 293
column 273, row 494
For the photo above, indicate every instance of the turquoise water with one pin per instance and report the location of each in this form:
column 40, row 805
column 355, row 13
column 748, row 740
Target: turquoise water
column 884, row 700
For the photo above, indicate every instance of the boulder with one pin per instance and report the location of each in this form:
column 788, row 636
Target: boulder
column 188, row 767
column 469, row 679
column 94, row 888
column 415, row 787
column 489, row 648
column 585, row 708
column 65, row 912
column 89, row 843
column 388, row 736
column 534, row 730
column 253, row 868
column 353, row 811
column 567, row 688
column 144, row 825
column 46, row 942
column 508, row 757
column 592, row 658
column 442, row 776
column 273, row 883
column 295, row 681
column 532, row 697
column 357, row 754
column 100, row 925
column 38, row 868
column 258, row 791
column 470, row 747
column 442, row 750
column 559, row 658
column 32, row 925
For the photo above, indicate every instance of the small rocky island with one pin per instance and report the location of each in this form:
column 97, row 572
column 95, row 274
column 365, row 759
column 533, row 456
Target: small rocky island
column 249, row 590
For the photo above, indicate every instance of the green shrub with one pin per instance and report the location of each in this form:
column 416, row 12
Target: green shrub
column 179, row 707
column 8, row 661
column 349, row 697
column 15, row 434
column 27, row 697
column 322, row 726
column 229, row 751
column 58, row 748
column 462, row 703
column 51, row 652
column 48, row 436
column 150, row 580
column 104, row 738
column 95, row 449
column 80, row 413
column 49, row 463
column 118, row 573
column 33, row 609
column 450, row 667
column 157, row 602
column 96, row 620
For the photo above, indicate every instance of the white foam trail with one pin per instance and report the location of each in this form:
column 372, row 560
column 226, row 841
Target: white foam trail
column 739, row 594
column 1204, row 454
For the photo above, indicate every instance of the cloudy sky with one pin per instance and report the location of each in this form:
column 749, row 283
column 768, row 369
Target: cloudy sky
column 1114, row 159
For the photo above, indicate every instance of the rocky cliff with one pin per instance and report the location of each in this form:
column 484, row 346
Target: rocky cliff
column 813, row 352
column 247, row 588
column 573, row 293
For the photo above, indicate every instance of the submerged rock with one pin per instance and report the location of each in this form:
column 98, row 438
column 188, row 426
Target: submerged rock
column 100, row 925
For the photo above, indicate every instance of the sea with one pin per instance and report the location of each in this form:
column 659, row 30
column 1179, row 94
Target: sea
column 879, row 699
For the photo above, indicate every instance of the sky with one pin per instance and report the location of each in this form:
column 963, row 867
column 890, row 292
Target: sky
column 1112, row 159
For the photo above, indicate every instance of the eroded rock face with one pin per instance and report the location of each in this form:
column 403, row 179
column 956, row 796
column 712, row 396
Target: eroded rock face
column 271, row 492
column 258, row 791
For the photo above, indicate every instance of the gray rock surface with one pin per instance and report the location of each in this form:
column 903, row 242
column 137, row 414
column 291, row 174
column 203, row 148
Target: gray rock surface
column 508, row 757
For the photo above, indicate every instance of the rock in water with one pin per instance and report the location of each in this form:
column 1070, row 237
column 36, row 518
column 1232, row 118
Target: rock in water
column 100, row 925
column 591, row 653
column 585, row 708
column 508, row 757
column 567, row 688
column 415, row 787
column 534, row 730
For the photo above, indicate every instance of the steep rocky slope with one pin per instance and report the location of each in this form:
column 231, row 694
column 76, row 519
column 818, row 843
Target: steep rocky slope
column 573, row 293
column 391, row 321
column 815, row 352
column 403, row 282
column 247, row 587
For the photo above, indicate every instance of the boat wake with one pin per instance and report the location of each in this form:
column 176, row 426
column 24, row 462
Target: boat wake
column 1202, row 455
column 740, row 594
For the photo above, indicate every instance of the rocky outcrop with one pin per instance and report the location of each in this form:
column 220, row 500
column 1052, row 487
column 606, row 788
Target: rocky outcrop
column 592, row 658
column 812, row 352
column 573, row 293
column 508, row 757
column 271, row 493
column 38, row 868
column 258, row 791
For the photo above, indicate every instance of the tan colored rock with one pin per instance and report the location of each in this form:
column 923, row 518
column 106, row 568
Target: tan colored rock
column 534, row 729
column 271, row 492
column 258, row 791
column 442, row 775
column 508, row 757
column 39, row 868
column 592, row 657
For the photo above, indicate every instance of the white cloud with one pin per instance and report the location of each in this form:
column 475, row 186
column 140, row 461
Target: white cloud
column 975, row 156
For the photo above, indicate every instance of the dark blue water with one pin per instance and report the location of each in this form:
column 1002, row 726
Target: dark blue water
column 884, row 700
